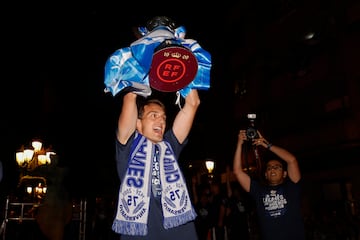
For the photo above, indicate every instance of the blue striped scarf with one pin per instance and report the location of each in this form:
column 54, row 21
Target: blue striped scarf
column 135, row 190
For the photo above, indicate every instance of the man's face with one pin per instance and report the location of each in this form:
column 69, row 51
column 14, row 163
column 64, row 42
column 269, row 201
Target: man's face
column 153, row 123
column 274, row 172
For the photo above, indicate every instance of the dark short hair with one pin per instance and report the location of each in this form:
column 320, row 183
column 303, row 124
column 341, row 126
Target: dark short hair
column 142, row 105
column 268, row 156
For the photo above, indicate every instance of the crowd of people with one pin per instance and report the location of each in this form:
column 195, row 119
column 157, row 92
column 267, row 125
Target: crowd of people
column 223, row 209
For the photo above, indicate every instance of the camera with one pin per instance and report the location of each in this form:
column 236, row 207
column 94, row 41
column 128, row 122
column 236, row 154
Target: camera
column 251, row 131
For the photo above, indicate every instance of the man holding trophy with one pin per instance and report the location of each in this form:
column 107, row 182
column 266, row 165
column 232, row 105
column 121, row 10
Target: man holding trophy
column 154, row 202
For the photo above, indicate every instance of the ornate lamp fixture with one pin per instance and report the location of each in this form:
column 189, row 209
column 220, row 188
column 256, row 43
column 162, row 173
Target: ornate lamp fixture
column 31, row 158
column 31, row 161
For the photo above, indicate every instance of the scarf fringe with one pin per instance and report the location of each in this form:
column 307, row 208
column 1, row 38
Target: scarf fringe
column 129, row 228
column 175, row 221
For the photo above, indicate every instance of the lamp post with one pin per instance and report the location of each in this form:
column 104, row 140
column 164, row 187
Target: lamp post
column 210, row 165
column 31, row 158
column 28, row 160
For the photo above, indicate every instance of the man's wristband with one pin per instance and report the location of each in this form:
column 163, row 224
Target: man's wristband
column 269, row 145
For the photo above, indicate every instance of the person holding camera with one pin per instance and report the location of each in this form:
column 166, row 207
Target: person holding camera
column 278, row 201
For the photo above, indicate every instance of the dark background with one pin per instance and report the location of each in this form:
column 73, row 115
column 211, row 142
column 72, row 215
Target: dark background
column 53, row 57
column 52, row 86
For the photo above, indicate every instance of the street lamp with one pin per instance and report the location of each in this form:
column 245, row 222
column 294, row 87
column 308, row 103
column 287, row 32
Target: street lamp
column 31, row 158
column 210, row 164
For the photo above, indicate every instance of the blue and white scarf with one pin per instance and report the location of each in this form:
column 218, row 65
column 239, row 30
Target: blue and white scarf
column 135, row 190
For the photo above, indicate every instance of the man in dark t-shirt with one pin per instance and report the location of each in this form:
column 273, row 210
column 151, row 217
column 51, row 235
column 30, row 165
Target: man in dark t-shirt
column 278, row 201
column 140, row 130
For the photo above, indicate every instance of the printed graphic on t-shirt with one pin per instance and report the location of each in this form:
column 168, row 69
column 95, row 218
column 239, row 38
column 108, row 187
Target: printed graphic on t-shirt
column 274, row 203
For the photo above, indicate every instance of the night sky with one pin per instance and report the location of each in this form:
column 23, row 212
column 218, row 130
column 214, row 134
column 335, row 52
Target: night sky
column 52, row 86
column 52, row 77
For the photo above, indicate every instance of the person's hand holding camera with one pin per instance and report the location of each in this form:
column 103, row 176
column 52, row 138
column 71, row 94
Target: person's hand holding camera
column 261, row 141
column 242, row 137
